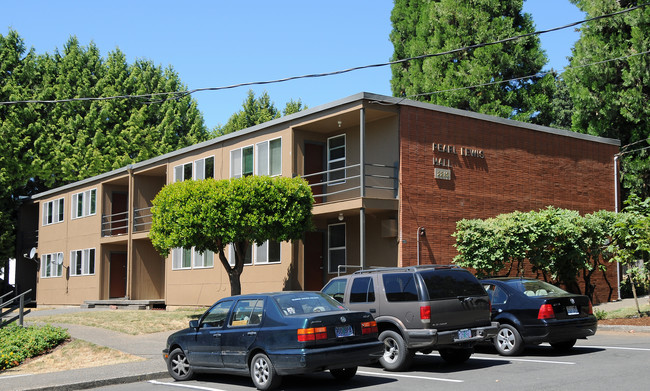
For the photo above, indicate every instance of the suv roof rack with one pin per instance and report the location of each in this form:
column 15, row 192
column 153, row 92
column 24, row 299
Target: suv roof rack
column 407, row 268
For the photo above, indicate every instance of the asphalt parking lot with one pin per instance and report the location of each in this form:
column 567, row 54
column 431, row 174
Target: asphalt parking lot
column 609, row 360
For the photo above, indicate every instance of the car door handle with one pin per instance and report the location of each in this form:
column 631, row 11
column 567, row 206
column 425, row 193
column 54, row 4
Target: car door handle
column 251, row 333
column 372, row 310
column 216, row 335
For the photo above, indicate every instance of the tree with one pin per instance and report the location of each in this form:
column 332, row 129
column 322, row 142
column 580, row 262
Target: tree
column 49, row 145
column 209, row 214
column 422, row 27
column 256, row 111
column 610, row 99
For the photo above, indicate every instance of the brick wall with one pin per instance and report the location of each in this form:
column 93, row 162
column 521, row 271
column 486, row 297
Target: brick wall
column 520, row 169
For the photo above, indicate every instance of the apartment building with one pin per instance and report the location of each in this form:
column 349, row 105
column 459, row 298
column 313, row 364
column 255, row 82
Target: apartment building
column 390, row 179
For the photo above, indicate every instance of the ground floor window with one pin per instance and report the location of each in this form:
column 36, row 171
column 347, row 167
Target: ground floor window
column 266, row 253
column 188, row 258
column 51, row 265
column 82, row 262
column 336, row 254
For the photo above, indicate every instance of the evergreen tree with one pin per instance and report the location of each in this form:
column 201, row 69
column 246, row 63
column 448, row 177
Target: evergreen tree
column 610, row 99
column 422, row 27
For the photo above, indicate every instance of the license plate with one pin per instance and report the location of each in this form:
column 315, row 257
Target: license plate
column 572, row 310
column 343, row 331
column 464, row 334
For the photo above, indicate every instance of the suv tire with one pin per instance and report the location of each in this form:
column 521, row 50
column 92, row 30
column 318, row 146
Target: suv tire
column 397, row 356
column 456, row 356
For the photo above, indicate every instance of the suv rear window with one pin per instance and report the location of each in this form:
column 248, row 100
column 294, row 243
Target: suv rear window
column 400, row 287
column 452, row 283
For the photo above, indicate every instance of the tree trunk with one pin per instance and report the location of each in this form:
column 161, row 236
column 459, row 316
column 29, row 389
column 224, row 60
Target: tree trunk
column 235, row 282
column 636, row 299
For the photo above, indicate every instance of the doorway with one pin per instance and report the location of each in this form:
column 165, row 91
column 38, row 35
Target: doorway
column 314, row 162
column 119, row 213
column 314, row 262
column 117, row 275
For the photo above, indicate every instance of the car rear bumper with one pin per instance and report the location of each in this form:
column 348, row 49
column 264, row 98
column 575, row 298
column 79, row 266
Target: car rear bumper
column 559, row 330
column 297, row 361
column 430, row 338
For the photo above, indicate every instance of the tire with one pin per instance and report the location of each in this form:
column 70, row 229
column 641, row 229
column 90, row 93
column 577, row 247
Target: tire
column 178, row 366
column 508, row 341
column 344, row 374
column 263, row 373
column 564, row 345
column 455, row 356
column 397, row 357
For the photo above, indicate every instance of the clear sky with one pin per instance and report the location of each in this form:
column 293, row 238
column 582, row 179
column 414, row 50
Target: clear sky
column 220, row 43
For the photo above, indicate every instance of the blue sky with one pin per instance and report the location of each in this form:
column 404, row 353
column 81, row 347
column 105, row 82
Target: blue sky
column 220, row 43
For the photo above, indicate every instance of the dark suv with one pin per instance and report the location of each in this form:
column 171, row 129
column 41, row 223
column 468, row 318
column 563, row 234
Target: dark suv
column 420, row 309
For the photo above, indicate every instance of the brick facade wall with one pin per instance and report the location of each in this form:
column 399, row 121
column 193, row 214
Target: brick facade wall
column 520, row 169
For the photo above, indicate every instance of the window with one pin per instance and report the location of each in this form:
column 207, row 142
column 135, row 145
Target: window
column 84, row 203
column 336, row 247
column 216, row 316
column 269, row 157
column 336, row 289
column 247, row 312
column 362, row 291
column 51, row 265
column 188, row 258
column 267, row 252
column 241, row 162
column 183, row 172
column 82, row 262
column 200, row 169
column 336, row 160
column 400, row 287
column 53, row 211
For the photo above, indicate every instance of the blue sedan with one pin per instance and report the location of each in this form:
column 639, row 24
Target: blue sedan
column 530, row 312
column 271, row 335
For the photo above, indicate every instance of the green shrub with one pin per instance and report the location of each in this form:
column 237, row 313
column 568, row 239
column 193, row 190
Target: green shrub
column 20, row 343
column 600, row 314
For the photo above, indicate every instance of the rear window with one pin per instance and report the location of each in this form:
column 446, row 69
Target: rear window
column 536, row 288
column 451, row 283
column 298, row 303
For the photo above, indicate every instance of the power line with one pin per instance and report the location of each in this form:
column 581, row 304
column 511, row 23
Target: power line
column 180, row 94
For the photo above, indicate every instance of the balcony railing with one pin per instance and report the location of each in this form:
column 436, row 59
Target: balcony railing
column 115, row 224
column 142, row 219
column 380, row 177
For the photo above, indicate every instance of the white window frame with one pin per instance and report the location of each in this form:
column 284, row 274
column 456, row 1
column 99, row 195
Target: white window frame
column 52, row 265
column 199, row 168
column 179, row 171
column 259, row 256
column 236, row 168
column 83, row 256
column 58, row 211
column 197, row 260
column 268, row 159
column 88, row 204
column 330, row 249
column 330, row 161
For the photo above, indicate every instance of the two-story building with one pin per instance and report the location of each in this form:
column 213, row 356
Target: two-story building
column 390, row 179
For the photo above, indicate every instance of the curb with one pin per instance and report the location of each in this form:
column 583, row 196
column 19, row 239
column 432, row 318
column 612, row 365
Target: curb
column 624, row 328
column 102, row 382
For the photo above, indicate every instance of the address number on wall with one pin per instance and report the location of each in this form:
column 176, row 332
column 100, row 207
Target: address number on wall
column 441, row 173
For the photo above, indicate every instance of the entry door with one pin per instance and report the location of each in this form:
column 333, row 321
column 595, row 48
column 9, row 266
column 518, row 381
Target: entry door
column 119, row 213
column 314, row 162
column 117, row 270
column 314, row 261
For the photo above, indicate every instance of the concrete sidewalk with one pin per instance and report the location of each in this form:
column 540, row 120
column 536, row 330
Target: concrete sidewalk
column 150, row 347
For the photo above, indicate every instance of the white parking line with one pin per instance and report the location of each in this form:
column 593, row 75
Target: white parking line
column 161, row 383
column 410, row 376
column 522, row 360
column 614, row 347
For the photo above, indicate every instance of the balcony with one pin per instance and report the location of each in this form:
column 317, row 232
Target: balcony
column 118, row 224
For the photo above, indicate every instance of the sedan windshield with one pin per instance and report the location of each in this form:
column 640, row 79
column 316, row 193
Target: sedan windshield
column 536, row 288
column 296, row 303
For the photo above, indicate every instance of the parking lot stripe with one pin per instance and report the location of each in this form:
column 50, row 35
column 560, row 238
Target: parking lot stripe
column 523, row 360
column 411, row 376
column 162, row 383
column 616, row 347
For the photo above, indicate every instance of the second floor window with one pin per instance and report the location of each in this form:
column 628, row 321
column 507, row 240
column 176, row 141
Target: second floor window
column 269, row 157
column 241, row 162
column 336, row 160
column 84, row 204
column 200, row 169
column 53, row 211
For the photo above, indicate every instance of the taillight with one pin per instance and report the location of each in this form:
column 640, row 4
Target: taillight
column 425, row 314
column 591, row 308
column 546, row 312
column 369, row 328
column 312, row 334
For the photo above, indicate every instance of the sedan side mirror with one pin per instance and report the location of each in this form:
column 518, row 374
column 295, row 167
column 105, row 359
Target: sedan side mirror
column 194, row 324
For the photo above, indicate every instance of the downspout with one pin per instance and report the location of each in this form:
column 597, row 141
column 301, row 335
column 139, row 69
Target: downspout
column 618, row 266
column 362, row 184
column 421, row 232
column 129, row 243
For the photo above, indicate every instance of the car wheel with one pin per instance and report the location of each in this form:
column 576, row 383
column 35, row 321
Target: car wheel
column 396, row 356
column 263, row 373
column 455, row 356
column 343, row 374
column 564, row 345
column 178, row 366
column 508, row 341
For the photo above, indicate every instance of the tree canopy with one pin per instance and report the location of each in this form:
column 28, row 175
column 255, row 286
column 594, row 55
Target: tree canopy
column 256, row 111
column 422, row 27
column 610, row 98
column 46, row 145
column 210, row 214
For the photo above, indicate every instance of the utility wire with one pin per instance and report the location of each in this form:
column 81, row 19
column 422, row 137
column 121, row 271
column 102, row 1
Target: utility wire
column 180, row 94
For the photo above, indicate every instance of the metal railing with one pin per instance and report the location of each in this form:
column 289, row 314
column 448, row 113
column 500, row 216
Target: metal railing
column 142, row 219
column 346, row 179
column 115, row 224
column 11, row 305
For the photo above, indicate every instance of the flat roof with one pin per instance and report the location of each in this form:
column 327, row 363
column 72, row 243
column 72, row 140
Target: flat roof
column 359, row 97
